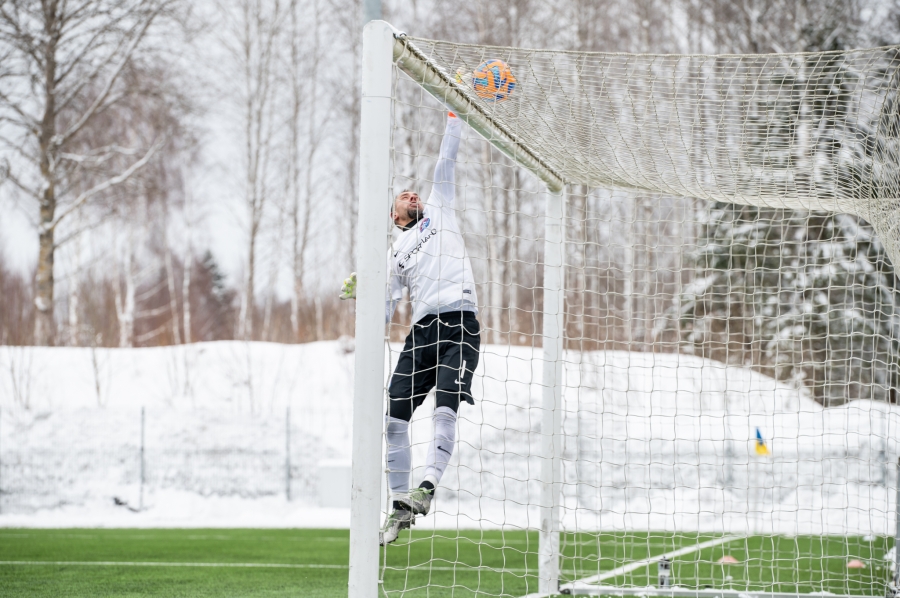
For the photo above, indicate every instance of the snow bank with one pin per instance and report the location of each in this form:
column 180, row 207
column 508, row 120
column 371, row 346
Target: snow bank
column 651, row 441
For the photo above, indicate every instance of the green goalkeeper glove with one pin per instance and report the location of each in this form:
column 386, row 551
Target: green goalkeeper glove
column 348, row 291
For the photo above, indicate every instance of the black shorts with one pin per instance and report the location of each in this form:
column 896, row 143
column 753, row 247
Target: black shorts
column 440, row 351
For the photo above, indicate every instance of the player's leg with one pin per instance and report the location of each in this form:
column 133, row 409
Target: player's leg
column 412, row 379
column 458, row 353
column 410, row 383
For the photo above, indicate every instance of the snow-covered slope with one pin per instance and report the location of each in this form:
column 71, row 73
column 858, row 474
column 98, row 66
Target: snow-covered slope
column 651, row 442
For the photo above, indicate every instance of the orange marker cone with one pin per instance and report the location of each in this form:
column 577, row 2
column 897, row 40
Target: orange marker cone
column 728, row 560
column 856, row 564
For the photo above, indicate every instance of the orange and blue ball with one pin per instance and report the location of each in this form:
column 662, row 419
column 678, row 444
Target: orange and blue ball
column 493, row 81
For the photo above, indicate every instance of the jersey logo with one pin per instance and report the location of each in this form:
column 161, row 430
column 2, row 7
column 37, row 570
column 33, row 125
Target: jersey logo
column 401, row 264
column 424, row 224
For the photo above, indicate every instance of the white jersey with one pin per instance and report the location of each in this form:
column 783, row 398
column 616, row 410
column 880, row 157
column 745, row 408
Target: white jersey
column 430, row 257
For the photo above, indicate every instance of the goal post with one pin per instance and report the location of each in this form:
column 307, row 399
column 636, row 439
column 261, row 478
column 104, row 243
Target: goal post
column 690, row 325
column 368, row 398
column 551, row 381
column 378, row 38
column 442, row 85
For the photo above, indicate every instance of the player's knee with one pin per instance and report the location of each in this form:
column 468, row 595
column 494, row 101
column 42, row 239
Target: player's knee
column 447, row 399
column 401, row 409
column 396, row 426
column 444, row 415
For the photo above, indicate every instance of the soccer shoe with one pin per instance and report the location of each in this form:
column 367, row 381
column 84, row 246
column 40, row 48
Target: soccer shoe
column 398, row 519
column 418, row 500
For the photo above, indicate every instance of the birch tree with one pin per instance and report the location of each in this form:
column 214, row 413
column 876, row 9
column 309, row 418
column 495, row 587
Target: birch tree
column 254, row 36
column 65, row 60
column 304, row 90
column 346, row 17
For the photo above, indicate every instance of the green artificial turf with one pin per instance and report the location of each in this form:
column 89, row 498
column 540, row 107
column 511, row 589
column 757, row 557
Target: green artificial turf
column 310, row 547
column 424, row 563
column 801, row 564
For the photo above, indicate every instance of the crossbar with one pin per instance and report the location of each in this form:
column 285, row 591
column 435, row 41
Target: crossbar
column 442, row 86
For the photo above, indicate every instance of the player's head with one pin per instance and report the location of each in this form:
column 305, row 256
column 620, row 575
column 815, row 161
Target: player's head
column 407, row 207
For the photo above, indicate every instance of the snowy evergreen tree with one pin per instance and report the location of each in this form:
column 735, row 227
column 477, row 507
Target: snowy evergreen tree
column 808, row 296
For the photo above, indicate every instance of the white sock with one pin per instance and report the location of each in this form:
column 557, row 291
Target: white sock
column 441, row 448
column 399, row 455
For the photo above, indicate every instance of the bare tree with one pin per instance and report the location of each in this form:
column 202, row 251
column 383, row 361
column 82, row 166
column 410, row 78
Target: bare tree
column 64, row 54
column 142, row 207
column 518, row 25
column 170, row 279
column 254, row 28
column 494, row 222
column 189, row 219
column 304, row 89
column 125, row 297
column 347, row 19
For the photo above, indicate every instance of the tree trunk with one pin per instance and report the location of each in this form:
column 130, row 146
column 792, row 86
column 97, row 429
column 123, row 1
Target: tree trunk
column 73, row 313
column 513, row 262
column 188, row 266
column 295, row 309
column 186, row 295
column 43, row 300
column 44, row 328
column 125, row 305
column 320, row 320
column 274, row 265
column 628, row 291
column 303, row 68
column 352, row 114
column 493, row 283
column 248, row 305
column 173, row 299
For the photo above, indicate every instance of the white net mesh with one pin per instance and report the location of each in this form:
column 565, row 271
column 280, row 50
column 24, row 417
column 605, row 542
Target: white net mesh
column 801, row 131
column 729, row 370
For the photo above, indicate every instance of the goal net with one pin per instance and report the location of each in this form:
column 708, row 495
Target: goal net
column 689, row 323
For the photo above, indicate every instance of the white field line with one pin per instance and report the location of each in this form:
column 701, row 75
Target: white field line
column 461, row 568
column 652, row 559
column 593, row 579
column 164, row 564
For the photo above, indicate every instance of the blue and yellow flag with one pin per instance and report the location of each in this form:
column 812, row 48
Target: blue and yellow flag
column 761, row 448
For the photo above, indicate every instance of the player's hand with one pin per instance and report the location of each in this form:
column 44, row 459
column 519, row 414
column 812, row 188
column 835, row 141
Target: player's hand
column 348, row 291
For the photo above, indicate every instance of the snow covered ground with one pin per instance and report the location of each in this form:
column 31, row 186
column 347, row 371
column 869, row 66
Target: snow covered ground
column 651, row 442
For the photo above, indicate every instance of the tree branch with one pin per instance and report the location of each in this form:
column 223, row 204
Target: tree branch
column 18, row 149
column 99, row 155
column 107, row 184
column 99, row 101
column 28, row 121
column 19, row 38
column 77, row 232
column 90, row 76
column 21, row 186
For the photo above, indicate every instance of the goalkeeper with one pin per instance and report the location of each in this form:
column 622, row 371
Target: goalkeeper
column 441, row 351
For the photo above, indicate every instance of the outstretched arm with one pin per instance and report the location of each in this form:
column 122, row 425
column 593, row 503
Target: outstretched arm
column 444, row 190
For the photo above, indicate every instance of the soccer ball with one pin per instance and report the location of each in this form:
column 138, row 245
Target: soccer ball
column 493, row 81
